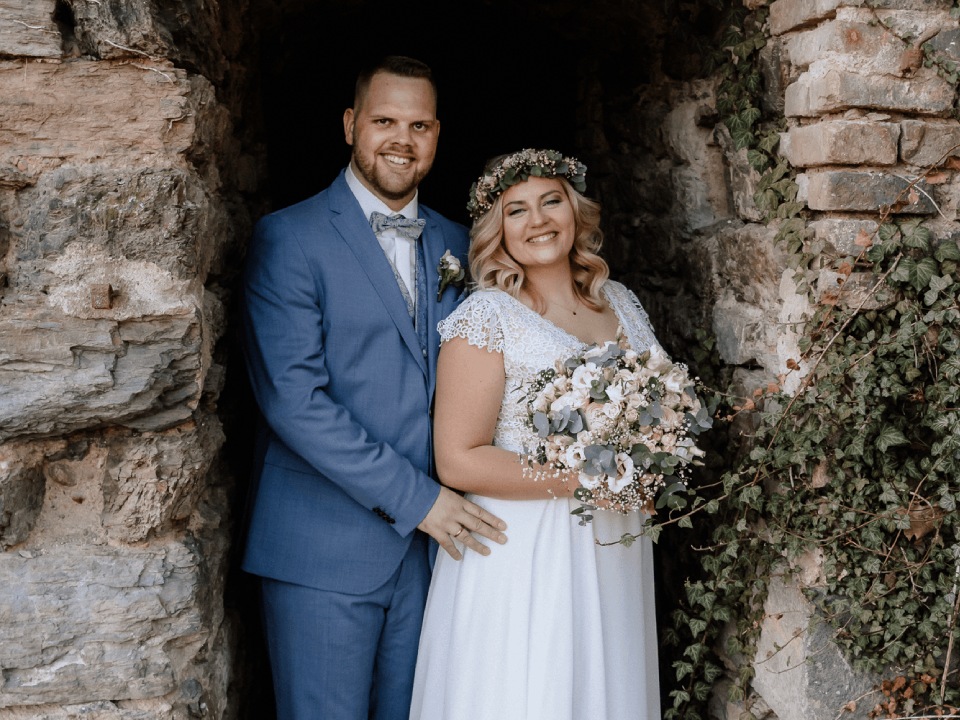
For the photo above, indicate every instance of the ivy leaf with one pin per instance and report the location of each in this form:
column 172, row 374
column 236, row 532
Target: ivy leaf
column 768, row 142
column 758, row 160
column 889, row 495
column 947, row 251
column 741, row 138
column 888, row 231
column 903, row 271
column 922, row 272
column 749, row 116
column 937, row 285
column 889, row 437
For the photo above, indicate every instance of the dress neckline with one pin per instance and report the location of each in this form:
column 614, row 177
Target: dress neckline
column 566, row 333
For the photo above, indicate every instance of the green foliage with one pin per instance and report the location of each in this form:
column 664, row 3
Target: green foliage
column 860, row 466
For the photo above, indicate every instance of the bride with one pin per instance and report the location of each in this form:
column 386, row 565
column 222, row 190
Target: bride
column 552, row 625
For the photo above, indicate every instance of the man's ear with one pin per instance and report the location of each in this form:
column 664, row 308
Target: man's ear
column 348, row 120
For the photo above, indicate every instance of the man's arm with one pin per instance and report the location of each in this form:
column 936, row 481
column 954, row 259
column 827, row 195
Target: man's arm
column 282, row 316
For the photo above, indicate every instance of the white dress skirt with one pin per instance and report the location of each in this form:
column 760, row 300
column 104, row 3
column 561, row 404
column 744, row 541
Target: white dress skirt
column 551, row 625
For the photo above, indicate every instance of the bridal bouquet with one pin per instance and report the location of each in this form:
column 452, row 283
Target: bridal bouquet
column 624, row 422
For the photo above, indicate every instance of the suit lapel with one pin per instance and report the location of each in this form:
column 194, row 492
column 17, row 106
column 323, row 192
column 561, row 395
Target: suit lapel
column 433, row 249
column 356, row 233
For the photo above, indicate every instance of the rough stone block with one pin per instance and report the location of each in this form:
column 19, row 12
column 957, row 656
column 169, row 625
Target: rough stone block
column 152, row 481
column 188, row 34
column 925, row 143
column 947, row 44
column 161, row 216
column 789, row 14
column 842, row 142
column 742, row 178
column 859, row 43
column 62, row 373
column 698, row 178
column 56, row 113
column 21, row 493
column 27, row 29
column 841, row 234
column 824, row 89
column 105, row 710
column 800, row 672
column 749, row 267
column 859, row 290
column 81, row 624
column 855, row 191
column 901, row 26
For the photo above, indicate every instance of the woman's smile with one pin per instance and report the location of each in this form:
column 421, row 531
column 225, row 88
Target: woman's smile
column 538, row 223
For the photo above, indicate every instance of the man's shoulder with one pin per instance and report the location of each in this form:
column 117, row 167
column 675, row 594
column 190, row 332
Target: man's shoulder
column 311, row 208
column 308, row 207
column 443, row 220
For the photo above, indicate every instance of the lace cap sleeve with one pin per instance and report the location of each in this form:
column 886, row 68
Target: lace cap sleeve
column 634, row 318
column 477, row 320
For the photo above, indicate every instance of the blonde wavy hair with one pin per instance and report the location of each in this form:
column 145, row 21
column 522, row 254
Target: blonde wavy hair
column 491, row 266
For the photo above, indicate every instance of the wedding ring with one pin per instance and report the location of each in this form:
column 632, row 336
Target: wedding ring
column 457, row 534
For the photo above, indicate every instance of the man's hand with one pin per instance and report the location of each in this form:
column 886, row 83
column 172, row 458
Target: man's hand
column 452, row 517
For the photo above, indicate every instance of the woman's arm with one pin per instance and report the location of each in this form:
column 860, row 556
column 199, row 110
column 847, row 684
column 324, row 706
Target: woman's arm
column 470, row 383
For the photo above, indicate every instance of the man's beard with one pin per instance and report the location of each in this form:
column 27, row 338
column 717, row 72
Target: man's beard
column 371, row 173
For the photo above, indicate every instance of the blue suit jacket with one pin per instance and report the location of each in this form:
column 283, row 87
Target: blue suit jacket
column 346, row 472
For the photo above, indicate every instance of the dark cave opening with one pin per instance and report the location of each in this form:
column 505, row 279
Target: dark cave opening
column 509, row 75
column 490, row 100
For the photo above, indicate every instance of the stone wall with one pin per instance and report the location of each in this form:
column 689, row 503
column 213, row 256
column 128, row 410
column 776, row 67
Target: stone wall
column 865, row 117
column 119, row 177
column 126, row 191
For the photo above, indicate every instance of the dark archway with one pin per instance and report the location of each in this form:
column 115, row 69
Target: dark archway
column 511, row 75
column 501, row 88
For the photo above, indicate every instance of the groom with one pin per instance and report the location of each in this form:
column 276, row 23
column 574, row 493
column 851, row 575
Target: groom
column 341, row 304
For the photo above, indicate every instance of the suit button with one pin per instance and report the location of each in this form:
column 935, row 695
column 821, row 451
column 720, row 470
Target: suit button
column 424, row 353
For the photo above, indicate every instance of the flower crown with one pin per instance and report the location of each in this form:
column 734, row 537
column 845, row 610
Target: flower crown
column 517, row 168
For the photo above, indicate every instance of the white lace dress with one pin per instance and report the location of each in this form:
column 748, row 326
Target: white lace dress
column 549, row 626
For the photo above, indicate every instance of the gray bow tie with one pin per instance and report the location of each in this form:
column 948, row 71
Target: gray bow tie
column 404, row 227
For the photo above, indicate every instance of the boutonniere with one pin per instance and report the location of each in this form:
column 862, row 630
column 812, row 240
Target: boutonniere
column 449, row 272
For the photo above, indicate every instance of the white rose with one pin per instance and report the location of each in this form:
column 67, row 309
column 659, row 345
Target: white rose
column 625, row 470
column 558, row 405
column 670, row 417
column 590, row 481
column 584, row 377
column 451, row 262
column 658, row 361
column 615, row 393
column 611, row 410
column 574, row 456
column 670, row 399
column 668, row 442
column 597, row 419
column 674, row 381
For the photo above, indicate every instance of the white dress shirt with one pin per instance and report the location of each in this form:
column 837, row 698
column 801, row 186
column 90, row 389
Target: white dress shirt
column 399, row 251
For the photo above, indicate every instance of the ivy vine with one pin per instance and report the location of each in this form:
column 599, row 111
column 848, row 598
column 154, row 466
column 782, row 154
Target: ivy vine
column 859, row 467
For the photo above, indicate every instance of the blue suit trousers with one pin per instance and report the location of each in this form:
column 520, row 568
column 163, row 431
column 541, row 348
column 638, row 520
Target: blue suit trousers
column 322, row 644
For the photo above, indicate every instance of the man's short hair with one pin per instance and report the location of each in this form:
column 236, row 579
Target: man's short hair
column 395, row 65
